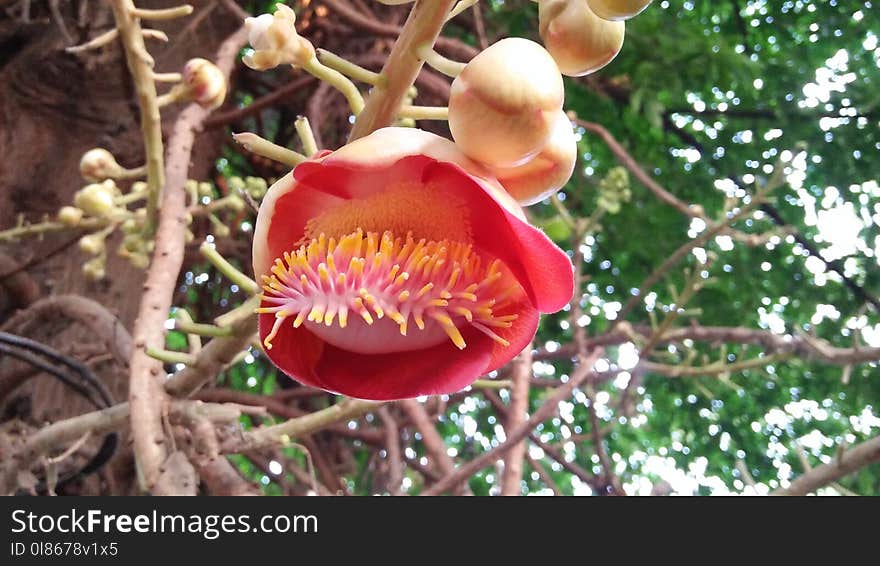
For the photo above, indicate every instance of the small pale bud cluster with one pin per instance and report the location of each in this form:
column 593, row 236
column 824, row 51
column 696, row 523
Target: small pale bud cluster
column 97, row 199
column 614, row 190
column 98, row 164
column 100, row 201
column 585, row 35
column 204, row 83
column 70, row 216
column 255, row 187
column 94, row 269
column 135, row 247
column 235, row 203
column 94, row 245
column 205, row 189
column 275, row 41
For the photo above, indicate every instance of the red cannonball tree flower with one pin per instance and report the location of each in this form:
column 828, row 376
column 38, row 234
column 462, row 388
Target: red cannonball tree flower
column 396, row 267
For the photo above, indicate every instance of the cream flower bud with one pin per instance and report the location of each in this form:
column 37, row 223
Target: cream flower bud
column 503, row 104
column 98, row 164
column 548, row 171
column 130, row 226
column 96, row 199
column 580, row 41
column 133, row 243
column 139, row 260
column 70, row 216
column 205, row 83
column 236, row 203
column 256, row 187
column 221, row 231
column 275, row 41
column 94, row 269
column 257, row 29
column 91, row 244
column 618, row 9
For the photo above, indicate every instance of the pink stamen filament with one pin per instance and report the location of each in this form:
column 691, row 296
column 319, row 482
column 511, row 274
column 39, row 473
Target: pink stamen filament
column 374, row 277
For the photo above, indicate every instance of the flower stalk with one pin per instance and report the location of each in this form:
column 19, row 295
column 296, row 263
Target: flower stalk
column 424, row 112
column 218, row 261
column 140, row 65
column 171, row 357
column 422, row 27
column 440, row 63
column 348, row 68
column 338, row 81
column 260, row 146
column 306, row 135
column 162, row 13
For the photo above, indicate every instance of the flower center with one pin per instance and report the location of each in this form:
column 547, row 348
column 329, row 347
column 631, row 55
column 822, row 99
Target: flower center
column 402, row 208
column 439, row 286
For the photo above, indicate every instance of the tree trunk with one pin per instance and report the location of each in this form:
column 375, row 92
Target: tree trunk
column 54, row 106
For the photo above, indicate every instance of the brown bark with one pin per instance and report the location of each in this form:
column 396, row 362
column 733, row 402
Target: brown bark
column 53, row 107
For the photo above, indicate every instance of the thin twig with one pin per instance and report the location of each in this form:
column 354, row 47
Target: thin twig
column 517, row 413
column 852, row 460
column 579, row 376
column 392, row 451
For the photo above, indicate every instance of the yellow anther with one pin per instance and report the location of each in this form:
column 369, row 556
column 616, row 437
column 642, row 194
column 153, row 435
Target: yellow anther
column 424, row 290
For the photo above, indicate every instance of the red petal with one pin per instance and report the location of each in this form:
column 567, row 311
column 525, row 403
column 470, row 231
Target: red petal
column 398, row 375
column 544, row 270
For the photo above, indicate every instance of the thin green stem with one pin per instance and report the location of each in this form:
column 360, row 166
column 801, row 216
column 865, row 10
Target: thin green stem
column 170, row 357
column 95, row 43
column 438, row 62
column 232, row 201
column 167, row 77
column 194, row 340
column 227, row 269
column 424, row 112
column 162, row 14
column 348, row 68
column 260, row 146
column 306, row 135
column 564, row 214
column 140, row 65
column 201, row 329
column 282, row 434
column 492, row 384
column 129, row 198
column 46, row 227
column 239, row 314
column 179, row 93
column 338, row 81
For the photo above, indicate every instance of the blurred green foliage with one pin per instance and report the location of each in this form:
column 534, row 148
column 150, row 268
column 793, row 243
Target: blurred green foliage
column 708, row 97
